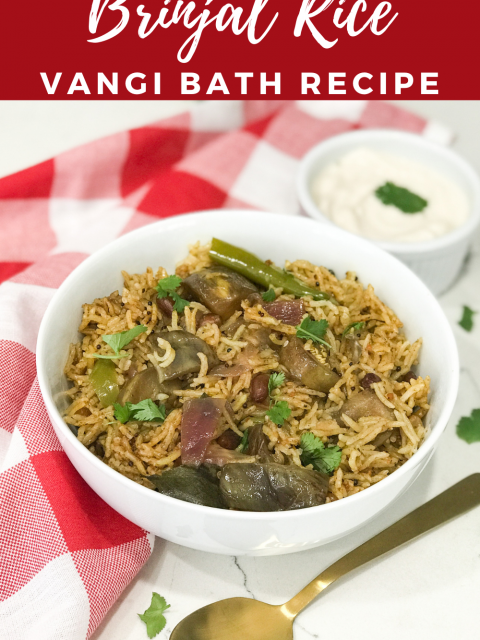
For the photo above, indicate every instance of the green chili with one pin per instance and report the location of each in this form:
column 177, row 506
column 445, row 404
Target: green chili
column 257, row 271
column 104, row 382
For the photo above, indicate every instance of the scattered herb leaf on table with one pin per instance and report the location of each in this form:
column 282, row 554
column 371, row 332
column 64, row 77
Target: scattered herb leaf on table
column 468, row 428
column 466, row 321
column 153, row 616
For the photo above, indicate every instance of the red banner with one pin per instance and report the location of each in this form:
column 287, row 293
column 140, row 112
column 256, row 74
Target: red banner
column 273, row 49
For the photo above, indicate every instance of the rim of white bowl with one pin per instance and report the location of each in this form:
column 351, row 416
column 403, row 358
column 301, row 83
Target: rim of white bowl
column 121, row 243
column 363, row 136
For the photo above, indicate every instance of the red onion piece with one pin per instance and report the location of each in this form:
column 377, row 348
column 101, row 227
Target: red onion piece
column 200, row 419
column 287, row 311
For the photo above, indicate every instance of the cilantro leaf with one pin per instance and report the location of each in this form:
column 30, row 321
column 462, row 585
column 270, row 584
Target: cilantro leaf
column 356, row 326
column 243, row 446
column 147, row 410
column 401, row 198
column 467, row 318
column 122, row 414
column 468, row 428
column 276, row 380
column 144, row 411
column 166, row 287
column 313, row 330
column 119, row 340
column 153, row 616
column 269, row 295
column 314, row 452
column 279, row 412
column 179, row 302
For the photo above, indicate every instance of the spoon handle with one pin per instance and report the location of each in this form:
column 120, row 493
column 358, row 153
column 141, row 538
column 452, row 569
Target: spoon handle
column 453, row 502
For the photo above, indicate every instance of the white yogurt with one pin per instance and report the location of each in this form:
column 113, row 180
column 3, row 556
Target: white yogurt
column 345, row 192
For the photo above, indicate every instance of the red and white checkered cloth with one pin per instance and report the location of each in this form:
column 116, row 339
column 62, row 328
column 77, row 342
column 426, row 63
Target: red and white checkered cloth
column 65, row 556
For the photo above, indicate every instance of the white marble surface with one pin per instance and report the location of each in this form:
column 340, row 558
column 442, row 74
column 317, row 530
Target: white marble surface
column 430, row 588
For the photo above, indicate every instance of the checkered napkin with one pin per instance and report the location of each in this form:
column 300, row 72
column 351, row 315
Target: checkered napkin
column 65, row 556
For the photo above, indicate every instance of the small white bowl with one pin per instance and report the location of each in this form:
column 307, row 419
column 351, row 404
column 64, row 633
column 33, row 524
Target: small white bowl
column 437, row 262
column 276, row 237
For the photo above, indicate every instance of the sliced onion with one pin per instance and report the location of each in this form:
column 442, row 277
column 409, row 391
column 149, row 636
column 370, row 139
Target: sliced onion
column 200, row 418
column 287, row 311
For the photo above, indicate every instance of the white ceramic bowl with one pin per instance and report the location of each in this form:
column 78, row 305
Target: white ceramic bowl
column 269, row 236
column 437, row 262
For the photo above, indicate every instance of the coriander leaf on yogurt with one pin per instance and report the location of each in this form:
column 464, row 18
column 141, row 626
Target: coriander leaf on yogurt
column 466, row 321
column 403, row 199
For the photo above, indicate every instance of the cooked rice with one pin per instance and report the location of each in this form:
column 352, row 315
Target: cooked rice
column 138, row 449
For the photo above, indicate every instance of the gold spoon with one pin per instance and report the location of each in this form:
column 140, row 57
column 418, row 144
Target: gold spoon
column 243, row 618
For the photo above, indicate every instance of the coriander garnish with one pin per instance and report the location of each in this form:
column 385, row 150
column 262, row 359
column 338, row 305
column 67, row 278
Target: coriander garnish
column 313, row 330
column 403, row 199
column 314, row 452
column 119, row 340
column 166, row 288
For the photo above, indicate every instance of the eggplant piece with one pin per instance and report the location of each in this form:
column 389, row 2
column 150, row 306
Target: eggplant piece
column 306, row 369
column 218, row 456
column 353, row 348
column 381, row 439
column 186, row 347
column 271, row 487
column 363, row 405
column 220, row 289
column 74, row 429
column 198, row 486
column 258, row 445
column 154, row 380
column 146, row 385
column 226, row 370
column 200, row 419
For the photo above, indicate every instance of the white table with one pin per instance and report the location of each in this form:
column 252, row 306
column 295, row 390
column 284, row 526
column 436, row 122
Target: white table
column 430, row 589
